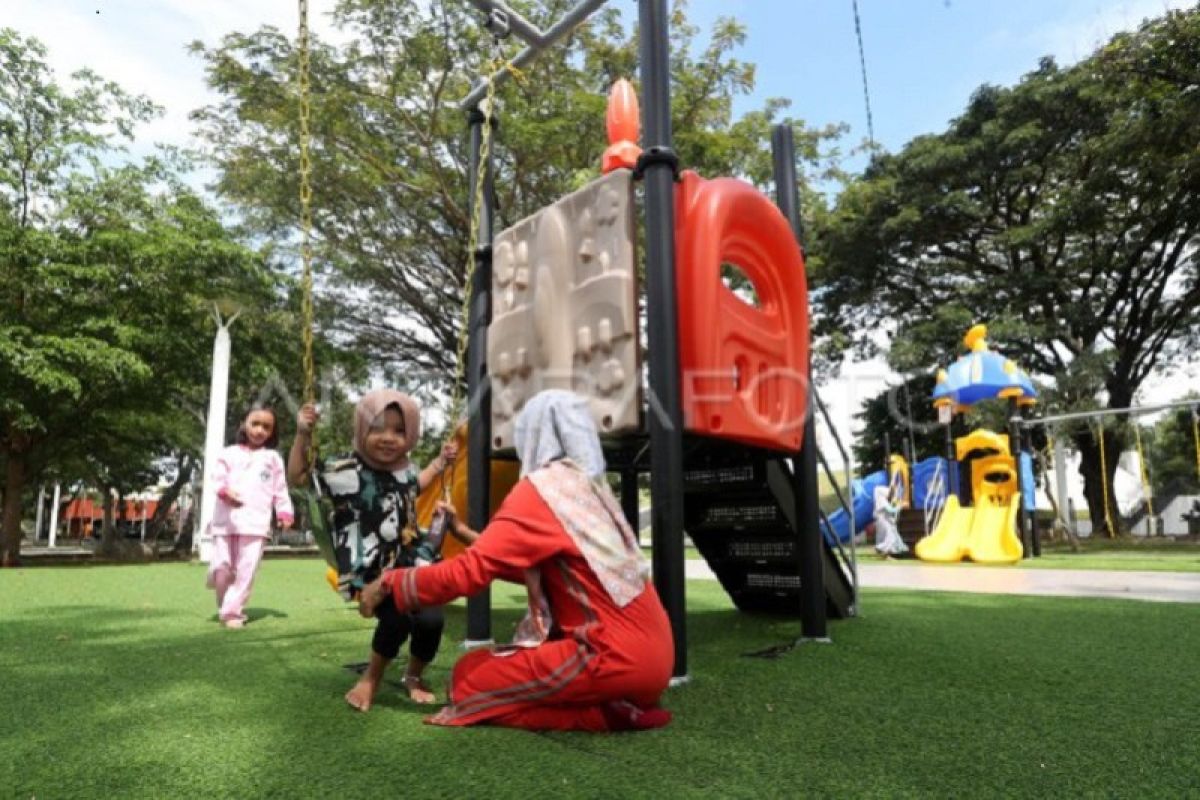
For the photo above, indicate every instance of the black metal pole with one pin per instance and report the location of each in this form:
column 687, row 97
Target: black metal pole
column 479, row 391
column 887, row 450
column 911, row 454
column 813, row 613
column 629, row 499
column 666, row 406
column 1027, row 444
column 1014, row 445
column 951, row 463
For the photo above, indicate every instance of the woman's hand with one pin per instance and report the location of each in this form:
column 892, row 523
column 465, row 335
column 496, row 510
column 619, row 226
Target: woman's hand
column 371, row 596
column 307, row 418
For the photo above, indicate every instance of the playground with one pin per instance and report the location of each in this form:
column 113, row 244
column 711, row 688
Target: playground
column 560, row 446
column 926, row 693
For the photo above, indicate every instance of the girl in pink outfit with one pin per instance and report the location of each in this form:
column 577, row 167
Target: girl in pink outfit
column 251, row 483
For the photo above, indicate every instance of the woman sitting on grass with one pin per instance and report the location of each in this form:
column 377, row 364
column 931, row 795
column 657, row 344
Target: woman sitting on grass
column 595, row 652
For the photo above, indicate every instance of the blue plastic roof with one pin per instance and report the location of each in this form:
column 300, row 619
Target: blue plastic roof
column 982, row 375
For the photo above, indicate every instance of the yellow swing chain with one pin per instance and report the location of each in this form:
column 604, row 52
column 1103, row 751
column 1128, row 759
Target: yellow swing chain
column 485, row 152
column 497, row 63
column 306, row 219
column 1104, row 480
column 1137, row 438
column 1196, row 437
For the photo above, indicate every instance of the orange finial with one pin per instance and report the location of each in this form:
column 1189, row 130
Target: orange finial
column 621, row 120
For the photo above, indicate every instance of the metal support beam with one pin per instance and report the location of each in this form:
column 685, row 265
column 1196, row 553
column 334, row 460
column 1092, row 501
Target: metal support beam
column 1109, row 412
column 666, row 405
column 538, row 40
column 813, row 616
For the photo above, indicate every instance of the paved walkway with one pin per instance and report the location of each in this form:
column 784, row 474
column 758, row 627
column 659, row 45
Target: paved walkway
column 1163, row 587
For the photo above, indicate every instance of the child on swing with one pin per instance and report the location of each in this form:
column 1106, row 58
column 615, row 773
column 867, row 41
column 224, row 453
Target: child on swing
column 250, row 484
column 374, row 493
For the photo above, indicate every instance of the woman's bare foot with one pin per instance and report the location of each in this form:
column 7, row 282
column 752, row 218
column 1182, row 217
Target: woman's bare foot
column 418, row 690
column 623, row 715
column 362, row 694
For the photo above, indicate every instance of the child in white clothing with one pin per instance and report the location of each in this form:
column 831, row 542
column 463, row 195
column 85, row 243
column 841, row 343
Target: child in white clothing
column 251, row 483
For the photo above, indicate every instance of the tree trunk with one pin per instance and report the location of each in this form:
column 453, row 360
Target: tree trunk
column 157, row 524
column 14, row 485
column 1093, row 487
column 1047, row 467
column 108, row 531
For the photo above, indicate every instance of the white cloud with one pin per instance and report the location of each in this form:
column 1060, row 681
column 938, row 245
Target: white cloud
column 140, row 44
column 1086, row 26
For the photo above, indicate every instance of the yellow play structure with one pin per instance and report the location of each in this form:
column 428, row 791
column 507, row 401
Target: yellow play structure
column 987, row 531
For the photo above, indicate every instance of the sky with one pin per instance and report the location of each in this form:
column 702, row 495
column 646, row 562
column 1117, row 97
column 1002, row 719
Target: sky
column 923, row 58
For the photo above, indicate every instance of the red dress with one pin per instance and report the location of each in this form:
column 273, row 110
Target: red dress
column 597, row 653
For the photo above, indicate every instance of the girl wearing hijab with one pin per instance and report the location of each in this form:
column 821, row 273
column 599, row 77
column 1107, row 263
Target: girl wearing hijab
column 595, row 652
column 374, row 493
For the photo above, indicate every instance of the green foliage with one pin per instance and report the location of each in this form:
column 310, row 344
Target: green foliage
column 1172, row 452
column 109, row 272
column 1063, row 211
column 895, row 411
column 390, row 149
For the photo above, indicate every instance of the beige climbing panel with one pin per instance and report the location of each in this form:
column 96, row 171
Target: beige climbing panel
column 564, row 308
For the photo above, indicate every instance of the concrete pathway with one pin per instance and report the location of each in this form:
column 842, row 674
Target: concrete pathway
column 1163, row 587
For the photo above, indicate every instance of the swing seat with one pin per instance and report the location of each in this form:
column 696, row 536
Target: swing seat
column 319, row 511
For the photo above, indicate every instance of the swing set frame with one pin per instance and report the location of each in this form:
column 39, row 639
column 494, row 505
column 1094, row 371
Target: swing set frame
column 1050, row 422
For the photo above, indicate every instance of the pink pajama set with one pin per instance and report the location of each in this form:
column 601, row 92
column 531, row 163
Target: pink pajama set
column 258, row 479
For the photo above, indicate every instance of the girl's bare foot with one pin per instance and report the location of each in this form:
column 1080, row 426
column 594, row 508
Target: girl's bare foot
column 233, row 623
column 418, row 690
column 362, row 694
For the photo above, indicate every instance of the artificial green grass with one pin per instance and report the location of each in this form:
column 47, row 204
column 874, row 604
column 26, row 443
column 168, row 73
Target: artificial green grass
column 119, row 683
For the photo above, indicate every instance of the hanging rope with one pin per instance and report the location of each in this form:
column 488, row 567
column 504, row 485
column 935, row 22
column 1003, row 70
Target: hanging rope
column 862, row 62
column 498, row 63
column 1104, row 480
column 306, row 219
column 1137, row 438
column 1196, row 437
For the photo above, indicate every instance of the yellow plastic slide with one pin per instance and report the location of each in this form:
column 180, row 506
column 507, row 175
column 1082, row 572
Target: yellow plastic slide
column 948, row 541
column 985, row 533
column 993, row 538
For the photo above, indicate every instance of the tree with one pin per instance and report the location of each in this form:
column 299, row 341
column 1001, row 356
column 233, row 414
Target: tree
column 893, row 412
column 1064, row 211
column 1172, row 452
column 107, row 276
column 390, row 148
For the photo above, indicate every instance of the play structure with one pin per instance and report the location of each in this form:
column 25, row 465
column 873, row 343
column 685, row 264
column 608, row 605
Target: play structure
column 983, row 530
column 723, row 424
column 990, row 478
column 919, row 488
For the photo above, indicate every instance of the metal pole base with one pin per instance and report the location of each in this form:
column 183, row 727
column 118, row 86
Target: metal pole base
column 814, row 640
column 475, row 644
column 679, row 680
